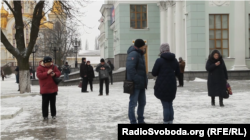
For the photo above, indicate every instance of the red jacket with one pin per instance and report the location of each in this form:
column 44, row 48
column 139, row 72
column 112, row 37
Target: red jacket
column 46, row 82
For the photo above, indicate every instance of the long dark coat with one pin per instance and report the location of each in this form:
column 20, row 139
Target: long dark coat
column 217, row 76
column 90, row 72
column 165, row 68
column 83, row 70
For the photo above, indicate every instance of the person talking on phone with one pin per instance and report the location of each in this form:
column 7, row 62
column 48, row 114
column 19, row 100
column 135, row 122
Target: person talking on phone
column 217, row 77
column 48, row 88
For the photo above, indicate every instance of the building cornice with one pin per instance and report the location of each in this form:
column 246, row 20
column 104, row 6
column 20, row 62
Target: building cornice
column 105, row 6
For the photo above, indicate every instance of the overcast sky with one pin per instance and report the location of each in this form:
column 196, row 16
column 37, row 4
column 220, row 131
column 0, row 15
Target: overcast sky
column 91, row 19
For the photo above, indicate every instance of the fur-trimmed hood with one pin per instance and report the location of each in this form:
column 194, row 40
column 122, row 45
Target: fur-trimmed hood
column 41, row 63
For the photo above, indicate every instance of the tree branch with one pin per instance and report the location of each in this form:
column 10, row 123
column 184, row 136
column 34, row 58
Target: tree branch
column 7, row 45
column 11, row 9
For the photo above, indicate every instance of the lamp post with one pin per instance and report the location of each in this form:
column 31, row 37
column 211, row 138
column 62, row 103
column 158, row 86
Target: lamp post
column 35, row 48
column 76, row 45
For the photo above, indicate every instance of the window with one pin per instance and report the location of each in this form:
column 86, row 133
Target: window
column 138, row 16
column 219, row 33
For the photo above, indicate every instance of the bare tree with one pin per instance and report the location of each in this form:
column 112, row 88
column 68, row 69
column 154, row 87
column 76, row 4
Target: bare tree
column 63, row 10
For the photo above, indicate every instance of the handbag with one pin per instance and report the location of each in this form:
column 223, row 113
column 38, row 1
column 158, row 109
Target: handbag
column 56, row 80
column 128, row 86
column 229, row 89
column 80, row 84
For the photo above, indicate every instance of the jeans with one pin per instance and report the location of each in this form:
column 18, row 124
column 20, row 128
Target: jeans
column 66, row 76
column 106, row 80
column 46, row 100
column 168, row 112
column 140, row 97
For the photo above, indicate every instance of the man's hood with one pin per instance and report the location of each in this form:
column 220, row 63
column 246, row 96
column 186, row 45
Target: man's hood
column 168, row 56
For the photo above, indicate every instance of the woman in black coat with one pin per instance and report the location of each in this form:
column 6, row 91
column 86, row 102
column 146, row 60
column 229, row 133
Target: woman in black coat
column 90, row 75
column 217, row 77
column 165, row 68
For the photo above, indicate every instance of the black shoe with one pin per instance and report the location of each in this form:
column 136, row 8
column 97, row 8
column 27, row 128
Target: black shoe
column 54, row 117
column 45, row 118
column 221, row 104
column 142, row 123
column 18, row 90
column 107, row 94
column 179, row 86
column 100, row 95
column 85, row 92
column 213, row 101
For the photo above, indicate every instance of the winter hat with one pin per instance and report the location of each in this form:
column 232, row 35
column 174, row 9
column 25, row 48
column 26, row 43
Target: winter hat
column 164, row 48
column 139, row 43
column 47, row 59
column 180, row 58
column 88, row 61
column 102, row 60
column 83, row 59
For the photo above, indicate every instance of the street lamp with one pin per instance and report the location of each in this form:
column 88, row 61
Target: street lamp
column 35, row 48
column 76, row 44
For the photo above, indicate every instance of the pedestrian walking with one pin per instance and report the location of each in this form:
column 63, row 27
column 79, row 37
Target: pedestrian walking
column 103, row 69
column 90, row 75
column 217, row 77
column 182, row 69
column 17, row 77
column 111, row 72
column 136, row 72
column 83, row 74
column 66, row 71
column 166, row 68
column 48, row 88
column 31, row 73
column 2, row 74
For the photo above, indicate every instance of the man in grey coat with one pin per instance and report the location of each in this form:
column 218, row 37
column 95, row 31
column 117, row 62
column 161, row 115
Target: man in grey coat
column 103, row 69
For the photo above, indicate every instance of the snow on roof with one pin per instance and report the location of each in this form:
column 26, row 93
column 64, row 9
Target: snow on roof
column 89, row 53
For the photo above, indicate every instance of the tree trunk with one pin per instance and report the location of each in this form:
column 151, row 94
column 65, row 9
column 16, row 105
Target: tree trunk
column 24, row 75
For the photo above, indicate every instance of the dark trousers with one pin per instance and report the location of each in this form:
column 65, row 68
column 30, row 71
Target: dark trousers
column 2, row 78
column 106, row 80
column 84, row 84
column 213, row 99
column 46, row 100
column 91, row 84
column 180, row 78
column 111, row 77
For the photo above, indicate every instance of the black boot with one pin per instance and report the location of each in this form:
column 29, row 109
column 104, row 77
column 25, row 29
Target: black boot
column 221, row 102
column 213, row 101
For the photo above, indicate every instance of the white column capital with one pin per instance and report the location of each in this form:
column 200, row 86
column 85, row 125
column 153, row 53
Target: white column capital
column 162, row 5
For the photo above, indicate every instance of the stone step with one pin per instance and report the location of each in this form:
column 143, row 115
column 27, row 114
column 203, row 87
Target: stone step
column 10, row 112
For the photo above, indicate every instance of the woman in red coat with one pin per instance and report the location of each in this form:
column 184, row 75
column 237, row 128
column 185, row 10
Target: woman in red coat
column 48, row 89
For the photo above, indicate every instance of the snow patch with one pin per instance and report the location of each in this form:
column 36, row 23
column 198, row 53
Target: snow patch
column 199, row 80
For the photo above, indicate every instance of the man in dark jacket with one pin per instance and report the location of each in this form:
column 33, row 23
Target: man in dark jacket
column 90, row 75
column 17, row 77
column 103, row 69
column 166, row 68
column 136, row 72
column 182, row 69
column 111, row 73
column 83, row 74
column 66, row 71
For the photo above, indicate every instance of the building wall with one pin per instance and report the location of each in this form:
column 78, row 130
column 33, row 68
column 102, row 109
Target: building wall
column 127, row 35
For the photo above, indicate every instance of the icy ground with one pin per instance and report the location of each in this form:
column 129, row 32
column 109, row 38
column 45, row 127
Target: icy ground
column 87, row 116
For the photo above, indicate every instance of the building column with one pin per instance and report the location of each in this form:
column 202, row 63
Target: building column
column 239, row 36
column 170, row 25
column 162, row 6
column 178, row 31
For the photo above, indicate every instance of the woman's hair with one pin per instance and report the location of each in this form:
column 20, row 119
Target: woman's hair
column 211, row 56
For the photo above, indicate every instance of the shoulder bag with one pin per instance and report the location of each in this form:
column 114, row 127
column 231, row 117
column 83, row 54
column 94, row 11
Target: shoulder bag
column 128, row 86
column 56, row 80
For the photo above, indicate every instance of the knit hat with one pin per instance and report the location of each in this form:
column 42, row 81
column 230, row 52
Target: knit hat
column 88, row 61
column 47, row 59
column 139, row 43
column 164, row 48
column 102, row 60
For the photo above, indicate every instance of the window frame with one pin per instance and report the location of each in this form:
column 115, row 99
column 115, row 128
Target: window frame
column 221, row 38
column 141, row 13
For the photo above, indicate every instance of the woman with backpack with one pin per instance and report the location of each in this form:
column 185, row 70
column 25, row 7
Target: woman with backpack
column 166, row 68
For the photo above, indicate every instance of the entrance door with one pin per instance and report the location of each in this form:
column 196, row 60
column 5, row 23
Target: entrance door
column 146, row 59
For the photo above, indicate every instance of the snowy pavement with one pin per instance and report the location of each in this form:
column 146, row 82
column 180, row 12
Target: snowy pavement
column 87, row 116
